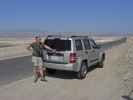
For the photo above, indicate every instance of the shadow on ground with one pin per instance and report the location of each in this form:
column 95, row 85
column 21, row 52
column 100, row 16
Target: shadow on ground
column 67, row 74
column 128, row 97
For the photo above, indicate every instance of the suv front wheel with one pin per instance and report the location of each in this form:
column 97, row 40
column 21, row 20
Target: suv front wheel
column 101, row 63
column 83, row 71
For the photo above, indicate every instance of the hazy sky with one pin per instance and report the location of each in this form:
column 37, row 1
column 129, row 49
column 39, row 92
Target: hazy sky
column 67, row 15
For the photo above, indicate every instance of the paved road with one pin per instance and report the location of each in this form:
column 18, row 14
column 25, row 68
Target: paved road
column 19, row 68
column 1, row 46
column 14, row 69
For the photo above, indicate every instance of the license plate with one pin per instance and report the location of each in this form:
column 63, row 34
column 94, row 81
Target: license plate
column 56, row 58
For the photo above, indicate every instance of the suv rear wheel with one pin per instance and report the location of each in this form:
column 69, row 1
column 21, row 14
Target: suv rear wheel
column 83, row 71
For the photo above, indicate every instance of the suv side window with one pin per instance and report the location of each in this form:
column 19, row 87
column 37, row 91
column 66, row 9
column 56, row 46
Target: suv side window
column 78, row 44
column 93, row 44
column 87, row 44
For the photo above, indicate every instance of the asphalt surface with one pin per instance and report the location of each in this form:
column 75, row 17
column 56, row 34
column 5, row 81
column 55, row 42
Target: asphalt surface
column 1, row 46
column 19, row 68
column 15, row 69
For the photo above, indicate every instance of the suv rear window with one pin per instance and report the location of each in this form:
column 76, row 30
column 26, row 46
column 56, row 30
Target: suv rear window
column 59, row 44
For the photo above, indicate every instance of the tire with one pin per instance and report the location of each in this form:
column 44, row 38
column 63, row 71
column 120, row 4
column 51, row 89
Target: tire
column 101, row 63
column 83, row 71
column 51, row 71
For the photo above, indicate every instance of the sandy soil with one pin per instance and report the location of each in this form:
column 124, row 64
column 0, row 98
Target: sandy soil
column 14, row 47
column 14, row 52
column 113, row 82
column 17, row 41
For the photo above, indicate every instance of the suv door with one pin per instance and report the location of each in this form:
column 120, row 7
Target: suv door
column 79, row 49
column 95, row 51
column 79, row 46
column 88, row 50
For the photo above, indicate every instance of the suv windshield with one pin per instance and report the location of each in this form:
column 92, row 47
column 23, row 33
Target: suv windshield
column 59, row 44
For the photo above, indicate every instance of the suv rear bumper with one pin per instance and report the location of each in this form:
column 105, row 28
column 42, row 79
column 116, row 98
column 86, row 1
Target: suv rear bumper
column 67, row 67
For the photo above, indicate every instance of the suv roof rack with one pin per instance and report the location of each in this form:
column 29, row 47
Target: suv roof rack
column 79, row 36
column 69, row 36
column 53, row 35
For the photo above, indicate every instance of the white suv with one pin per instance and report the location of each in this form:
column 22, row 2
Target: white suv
column 74, row 53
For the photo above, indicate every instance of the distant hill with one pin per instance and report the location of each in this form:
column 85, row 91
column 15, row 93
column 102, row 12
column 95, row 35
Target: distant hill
column 19, row 34
column 30, row 34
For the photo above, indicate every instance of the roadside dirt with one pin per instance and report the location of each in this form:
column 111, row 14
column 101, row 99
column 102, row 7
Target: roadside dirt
column 113, row 82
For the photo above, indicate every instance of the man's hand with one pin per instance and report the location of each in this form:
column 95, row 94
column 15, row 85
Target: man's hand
column 54, row 50
column 29, row 48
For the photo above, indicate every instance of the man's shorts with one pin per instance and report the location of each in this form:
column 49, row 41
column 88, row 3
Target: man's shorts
column 37, row 62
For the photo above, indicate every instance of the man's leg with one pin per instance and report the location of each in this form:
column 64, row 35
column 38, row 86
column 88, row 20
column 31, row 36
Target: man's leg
column 35, row 68
column 42, row 70
column 35, row 75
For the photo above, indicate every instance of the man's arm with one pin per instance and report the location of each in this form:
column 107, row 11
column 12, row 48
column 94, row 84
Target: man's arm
column 47, row 47
column 29, row 48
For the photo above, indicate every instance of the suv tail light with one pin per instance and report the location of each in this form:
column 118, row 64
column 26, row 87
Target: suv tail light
column 72, row 58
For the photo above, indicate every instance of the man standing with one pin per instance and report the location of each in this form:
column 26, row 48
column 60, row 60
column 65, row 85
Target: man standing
column 37, row 61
